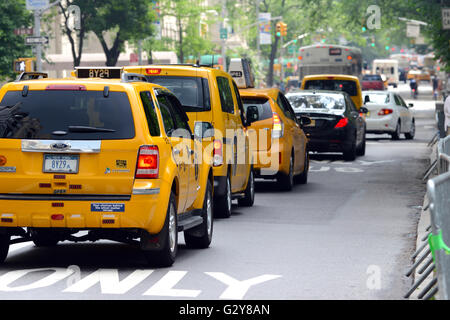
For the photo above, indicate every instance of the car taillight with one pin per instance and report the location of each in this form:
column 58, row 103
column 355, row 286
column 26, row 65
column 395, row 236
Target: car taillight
column 218, row 153
column 342, row 123
column 148, row 163
column 278, row 126
column 384, row 112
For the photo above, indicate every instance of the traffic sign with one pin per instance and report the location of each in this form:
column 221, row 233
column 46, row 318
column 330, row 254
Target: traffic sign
column 223, row 33
column 23, row 31
column 37, row 4
column 445, row 18
column 36, row 40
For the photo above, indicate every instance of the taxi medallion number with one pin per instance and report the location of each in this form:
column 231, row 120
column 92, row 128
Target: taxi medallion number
column 61, row 163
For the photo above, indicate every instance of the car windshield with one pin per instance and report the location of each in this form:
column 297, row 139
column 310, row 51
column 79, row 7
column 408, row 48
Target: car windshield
column 75, row 115
column 193, row 92
column 347, row 86
column 302, row 102
column 378, row 98
column 263, row 105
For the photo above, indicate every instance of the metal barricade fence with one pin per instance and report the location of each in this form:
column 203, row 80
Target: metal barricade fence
column 438, row 190
column 443, row 157
column 435, row 259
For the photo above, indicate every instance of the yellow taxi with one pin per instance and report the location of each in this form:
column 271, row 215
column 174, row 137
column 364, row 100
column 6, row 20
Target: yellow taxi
column 335, row 82
column 210, row 95
column 280, row 146
column 104, row 152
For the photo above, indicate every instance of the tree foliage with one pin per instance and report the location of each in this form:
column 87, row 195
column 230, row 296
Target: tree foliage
column 13, row 14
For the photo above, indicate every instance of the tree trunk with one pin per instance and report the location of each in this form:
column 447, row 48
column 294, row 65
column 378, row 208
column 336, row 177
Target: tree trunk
column 273, row 54
column 180, row 42
column 112, row 55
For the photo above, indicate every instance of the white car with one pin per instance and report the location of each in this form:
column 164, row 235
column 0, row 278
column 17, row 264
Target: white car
column 388, row 113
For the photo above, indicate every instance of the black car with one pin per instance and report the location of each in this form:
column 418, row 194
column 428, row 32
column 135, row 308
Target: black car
column 335, row 124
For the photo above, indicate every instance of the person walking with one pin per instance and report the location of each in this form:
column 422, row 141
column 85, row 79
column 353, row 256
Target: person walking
column 447, row 115
column 435, row 82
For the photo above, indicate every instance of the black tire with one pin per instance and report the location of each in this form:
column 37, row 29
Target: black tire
column 286, row 181
column 222, row 204
column 4, row 247
column 362, row 148
column 396, row 134
column 200, row 237
column 410, row 135
column 350, row 153
column 249, row 198
column 43, row 238
column 165, row 257
column 302, row 178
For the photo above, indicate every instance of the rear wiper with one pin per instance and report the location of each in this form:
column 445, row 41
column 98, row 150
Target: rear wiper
column 82, row 129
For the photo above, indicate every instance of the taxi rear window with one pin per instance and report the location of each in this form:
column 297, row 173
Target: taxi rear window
column 193, row 92
column 263, row 105
column 62, row 115
column 333, row 85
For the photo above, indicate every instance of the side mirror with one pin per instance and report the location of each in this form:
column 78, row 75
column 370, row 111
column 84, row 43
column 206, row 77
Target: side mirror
column 203, row 130
column 363, row 110
column 410, row 105
column 252, row 114
column 304, row 120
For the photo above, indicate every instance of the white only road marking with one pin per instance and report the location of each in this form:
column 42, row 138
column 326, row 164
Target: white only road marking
column 322, row 169
column 237, row 289
column 110, row 283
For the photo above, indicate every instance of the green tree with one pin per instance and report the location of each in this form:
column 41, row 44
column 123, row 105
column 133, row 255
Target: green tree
column 187, row 15
column 13, row 14
column 120, row 20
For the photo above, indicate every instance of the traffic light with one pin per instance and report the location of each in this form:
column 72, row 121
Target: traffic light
column 283, row 29
column 24, row 65
column 278, row 29
column 203, row 29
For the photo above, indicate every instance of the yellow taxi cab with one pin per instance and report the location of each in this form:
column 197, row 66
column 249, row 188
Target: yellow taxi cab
column 98, row 153
column 280, row 146
column 210, row 95
column 335, row 82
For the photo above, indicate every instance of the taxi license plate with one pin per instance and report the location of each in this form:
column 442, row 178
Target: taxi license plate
column 61, row 163
column 313, row 123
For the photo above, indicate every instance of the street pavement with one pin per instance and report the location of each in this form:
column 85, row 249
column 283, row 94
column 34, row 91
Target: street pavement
column 347, row 234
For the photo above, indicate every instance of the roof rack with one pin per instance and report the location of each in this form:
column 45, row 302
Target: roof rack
column 31, row 76
column 132, row 77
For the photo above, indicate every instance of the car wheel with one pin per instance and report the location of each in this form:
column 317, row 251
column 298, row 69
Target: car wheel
column 412, row 132
column 396, row 134
column 222, row 204
column 362, row 149
column 249, row 198
column 165, row 257
column 200, row 237
column 4, row 247
column 350, row 153
column 286, row 181
column 302, row 178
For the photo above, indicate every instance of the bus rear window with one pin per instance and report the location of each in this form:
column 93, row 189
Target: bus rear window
column 61, row 115
column 333, row 85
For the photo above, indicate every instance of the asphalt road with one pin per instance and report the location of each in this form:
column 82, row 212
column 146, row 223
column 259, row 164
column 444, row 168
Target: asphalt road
column 347, row 234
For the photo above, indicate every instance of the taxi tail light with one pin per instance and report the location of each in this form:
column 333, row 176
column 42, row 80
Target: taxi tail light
column 278, row 126
column 218, row 153
column 147, row 163
column 384, row 112
column 342, row 123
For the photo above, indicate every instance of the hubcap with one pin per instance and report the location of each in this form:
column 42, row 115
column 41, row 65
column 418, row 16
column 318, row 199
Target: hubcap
column 172, row 228
column 229, row 195
column 208, row 215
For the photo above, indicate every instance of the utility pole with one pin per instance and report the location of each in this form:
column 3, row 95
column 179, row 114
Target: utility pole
column 224, row 40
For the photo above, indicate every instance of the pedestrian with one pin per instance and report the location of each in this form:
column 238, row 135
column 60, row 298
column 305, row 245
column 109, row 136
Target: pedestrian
column 447, row 115
column 435, row 82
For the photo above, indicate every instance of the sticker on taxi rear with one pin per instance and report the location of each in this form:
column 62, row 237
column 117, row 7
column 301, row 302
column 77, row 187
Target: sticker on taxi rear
column 107, row 207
